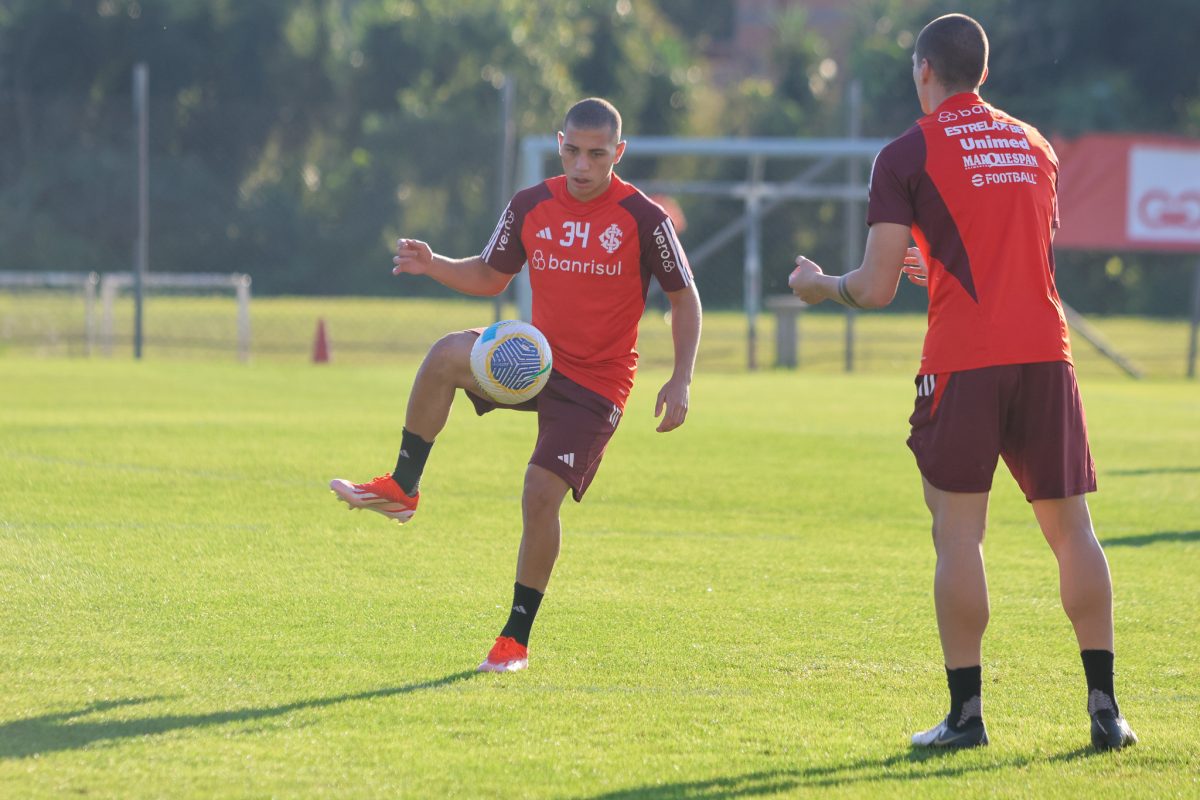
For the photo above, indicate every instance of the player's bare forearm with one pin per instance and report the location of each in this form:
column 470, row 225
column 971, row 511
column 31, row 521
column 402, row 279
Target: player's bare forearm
column 674, row 396
column 686, row 322
column 467, row 275
column 810, row 283
column 872, row 285
column 470, row 276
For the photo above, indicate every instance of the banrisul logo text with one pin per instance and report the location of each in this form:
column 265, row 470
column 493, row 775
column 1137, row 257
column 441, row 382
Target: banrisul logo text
column 543, row 262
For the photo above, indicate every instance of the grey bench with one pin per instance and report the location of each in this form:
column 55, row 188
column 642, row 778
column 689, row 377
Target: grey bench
column 786, row 308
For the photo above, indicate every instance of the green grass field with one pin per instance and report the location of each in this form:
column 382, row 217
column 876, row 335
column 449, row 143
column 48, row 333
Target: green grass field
column 742, row 607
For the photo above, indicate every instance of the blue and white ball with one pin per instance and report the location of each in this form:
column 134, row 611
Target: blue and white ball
column 511, row 361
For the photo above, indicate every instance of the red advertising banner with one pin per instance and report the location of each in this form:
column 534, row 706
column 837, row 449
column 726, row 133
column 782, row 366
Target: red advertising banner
column 1129, row 192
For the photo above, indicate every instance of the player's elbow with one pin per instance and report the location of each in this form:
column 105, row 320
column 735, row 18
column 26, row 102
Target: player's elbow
column 490, row 282
column 685, row 300
column 874, row 295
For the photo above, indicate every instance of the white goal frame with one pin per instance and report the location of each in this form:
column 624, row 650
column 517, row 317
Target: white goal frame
column 112, row 283
column 84, row 282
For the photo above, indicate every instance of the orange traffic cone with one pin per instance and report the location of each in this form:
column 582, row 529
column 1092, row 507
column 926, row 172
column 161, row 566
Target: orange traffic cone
column 320, row 344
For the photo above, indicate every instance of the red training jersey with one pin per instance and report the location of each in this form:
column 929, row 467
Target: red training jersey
column 979, row 190
column 590, row 268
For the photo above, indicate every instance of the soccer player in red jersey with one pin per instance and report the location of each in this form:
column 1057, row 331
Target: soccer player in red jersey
column 976, row 189
column 593, row 244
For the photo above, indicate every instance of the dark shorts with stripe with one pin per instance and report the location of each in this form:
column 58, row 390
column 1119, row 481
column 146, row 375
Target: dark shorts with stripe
column 1031, row 414
column 574, row 426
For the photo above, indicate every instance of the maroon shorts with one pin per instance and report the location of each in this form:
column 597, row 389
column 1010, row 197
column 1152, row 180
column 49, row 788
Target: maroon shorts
column 1029, row 413
column 574, row 426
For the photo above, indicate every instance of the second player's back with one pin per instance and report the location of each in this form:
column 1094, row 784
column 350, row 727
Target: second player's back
column 982, row 186
column 996, row 174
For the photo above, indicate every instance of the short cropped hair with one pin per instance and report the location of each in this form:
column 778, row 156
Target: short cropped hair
column 592, row 113
column 956, row 48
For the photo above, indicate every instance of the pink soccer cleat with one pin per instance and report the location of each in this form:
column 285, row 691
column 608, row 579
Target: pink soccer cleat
column 506, row 655
column 382, row 495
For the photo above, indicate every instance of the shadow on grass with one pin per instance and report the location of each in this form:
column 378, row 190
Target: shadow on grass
column 946, row 764
column 1154, row 471
column 52, row 733
column 1143, row 539
column 1079, row 753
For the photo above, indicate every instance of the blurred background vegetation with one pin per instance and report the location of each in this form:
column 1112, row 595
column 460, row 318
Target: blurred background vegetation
column 296, row 139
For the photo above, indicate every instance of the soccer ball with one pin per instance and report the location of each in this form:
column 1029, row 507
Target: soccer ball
column 511, row 361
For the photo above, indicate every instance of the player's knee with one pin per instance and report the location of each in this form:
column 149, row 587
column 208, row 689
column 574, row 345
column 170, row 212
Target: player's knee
column 544, row 492
column 450, row 354
column 955, row 534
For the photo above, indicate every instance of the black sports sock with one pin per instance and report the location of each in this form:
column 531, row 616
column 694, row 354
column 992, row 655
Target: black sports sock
column 1098, row 669
column 524, row 609
column 966, row 695
column 414, row 452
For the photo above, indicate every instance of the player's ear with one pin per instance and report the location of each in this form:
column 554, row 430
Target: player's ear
column 926, row 70
column 560, row 141
column 620, row 152
column 983, row 78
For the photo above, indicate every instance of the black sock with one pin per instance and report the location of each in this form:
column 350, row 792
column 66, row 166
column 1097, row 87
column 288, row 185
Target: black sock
column 524, row 609
column 966, row 695
column 1098, row 669
column 414, row 451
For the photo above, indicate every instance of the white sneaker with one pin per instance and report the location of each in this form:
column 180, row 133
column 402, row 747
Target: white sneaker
column 974, row 734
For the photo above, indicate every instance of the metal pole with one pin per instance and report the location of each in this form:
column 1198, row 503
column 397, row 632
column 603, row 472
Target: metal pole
column 752, row 275
column 108, row 297
column 1084, row 329
column 1191, row 365
column 504, row 187
column 854, row 221
column 531, row 173
column 89, row 312
column 141, row 85
column 242, row 282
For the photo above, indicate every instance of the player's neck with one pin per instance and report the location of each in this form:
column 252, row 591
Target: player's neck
column 598, row 191
column 940, row 94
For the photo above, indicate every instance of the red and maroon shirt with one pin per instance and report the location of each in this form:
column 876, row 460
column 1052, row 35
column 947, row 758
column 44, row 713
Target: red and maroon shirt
column 590, row 266
column 979, row 190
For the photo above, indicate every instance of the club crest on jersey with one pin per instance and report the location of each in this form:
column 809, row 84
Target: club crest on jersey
column 610, row 240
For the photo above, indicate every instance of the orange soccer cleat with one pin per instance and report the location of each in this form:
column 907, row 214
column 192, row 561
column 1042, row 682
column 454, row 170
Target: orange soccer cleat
column 382, row 495
column 507, row 655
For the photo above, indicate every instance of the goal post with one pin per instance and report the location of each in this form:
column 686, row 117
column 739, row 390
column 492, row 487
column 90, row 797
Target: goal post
column 112, row 284
column 42, row 309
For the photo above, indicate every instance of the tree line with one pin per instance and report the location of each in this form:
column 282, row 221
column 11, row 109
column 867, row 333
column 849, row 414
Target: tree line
column 295, row 140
